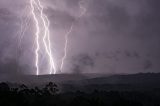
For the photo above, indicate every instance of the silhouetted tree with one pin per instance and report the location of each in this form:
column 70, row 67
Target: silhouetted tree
column 4, row 87
column 50, row 89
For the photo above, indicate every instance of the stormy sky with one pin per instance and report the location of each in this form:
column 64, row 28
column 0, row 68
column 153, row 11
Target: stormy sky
column 113, row 36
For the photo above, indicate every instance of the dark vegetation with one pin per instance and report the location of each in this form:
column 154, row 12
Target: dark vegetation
column 49, row 95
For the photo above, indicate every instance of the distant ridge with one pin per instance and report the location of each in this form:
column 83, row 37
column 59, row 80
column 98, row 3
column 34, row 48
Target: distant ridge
column 147, row 78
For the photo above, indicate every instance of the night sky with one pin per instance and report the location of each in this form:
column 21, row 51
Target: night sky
column 113, row 36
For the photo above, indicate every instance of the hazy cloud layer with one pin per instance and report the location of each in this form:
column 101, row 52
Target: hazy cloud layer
column 113, row 36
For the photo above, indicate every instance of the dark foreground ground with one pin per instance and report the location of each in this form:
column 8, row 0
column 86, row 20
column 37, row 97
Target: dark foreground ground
column 114, row 90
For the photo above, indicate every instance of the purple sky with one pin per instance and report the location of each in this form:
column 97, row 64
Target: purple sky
column 113, row 36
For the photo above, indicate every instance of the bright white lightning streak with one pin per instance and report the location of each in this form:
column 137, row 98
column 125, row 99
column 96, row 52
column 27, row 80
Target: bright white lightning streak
column 47, row 35
column 83, row 11
column 32, row 2
column 36, row 4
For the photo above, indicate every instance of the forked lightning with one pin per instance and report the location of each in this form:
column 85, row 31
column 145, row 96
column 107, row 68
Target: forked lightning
column 39, row 16
column 42, row 35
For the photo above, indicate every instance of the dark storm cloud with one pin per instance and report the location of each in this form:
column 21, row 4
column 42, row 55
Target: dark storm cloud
column 82, row 62
column 8, row 63
column 148, row 23
column 61, row 18
column 84, row 59
column 126, row 24
column 8, row 23
column 148, row 65
column 116, row 36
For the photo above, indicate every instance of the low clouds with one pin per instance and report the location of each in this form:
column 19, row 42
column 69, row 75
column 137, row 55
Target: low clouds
column 82, row 62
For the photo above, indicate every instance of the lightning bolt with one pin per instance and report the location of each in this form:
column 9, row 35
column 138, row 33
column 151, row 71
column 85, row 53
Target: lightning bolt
column 24, row 26
column 47, row 36
column 32, row 2
column 37, row 6
column 83, row 11
column 24, row 23
column 66, row 46
column 42, row 24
